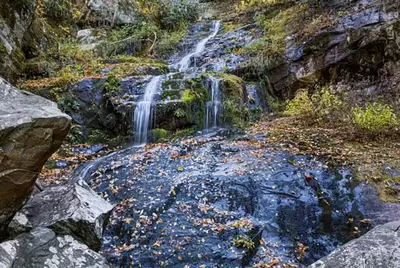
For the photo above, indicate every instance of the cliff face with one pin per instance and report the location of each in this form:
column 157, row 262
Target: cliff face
column 16, row 20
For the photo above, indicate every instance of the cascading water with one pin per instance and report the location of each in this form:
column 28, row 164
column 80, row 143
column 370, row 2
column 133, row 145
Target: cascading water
column 143, row 111
column 214, row 107
column 184, row 64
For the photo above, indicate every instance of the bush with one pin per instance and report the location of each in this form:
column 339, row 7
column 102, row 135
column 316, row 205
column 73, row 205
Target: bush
column 174, row 14
column 301, row 106
column 327, row 105
column 323, row 105
column 375, row 119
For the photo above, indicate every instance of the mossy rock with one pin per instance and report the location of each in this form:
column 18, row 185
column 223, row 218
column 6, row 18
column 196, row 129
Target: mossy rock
column 3, row 49
column 158, row 135
column 172, row 94
column 232, row 86
column 173, row 84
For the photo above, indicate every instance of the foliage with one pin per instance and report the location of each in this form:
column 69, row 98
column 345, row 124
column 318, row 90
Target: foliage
column 175, row 14
column 60, row 10
column 68, row 103
column 111, row 85
column 375, row 119
column 301, row 106
column 179, row 113
column 274, row 104
column 244, row 242
column 188, row 96
column 67, row 75
column 326, row 104
column 159, row 134
column 322, row 105
column 234, row 113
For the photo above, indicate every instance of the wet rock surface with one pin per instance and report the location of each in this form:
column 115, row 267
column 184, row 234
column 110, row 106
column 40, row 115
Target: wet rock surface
column 72, row 209
column 41, row 248
column 31, row 129
column 227, row 202
column 378, row 248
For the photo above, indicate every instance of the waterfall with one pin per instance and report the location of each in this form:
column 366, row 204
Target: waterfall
column 143, row 111
column 184, row 64
column 143, row 114
column 214, row 107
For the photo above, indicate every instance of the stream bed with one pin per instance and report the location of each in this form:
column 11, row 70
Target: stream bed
column 227, row 200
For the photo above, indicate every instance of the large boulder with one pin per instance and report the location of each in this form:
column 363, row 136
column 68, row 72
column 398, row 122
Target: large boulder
column 378, row 248
column 31, row 129
column 42, row 248
column 72, row 209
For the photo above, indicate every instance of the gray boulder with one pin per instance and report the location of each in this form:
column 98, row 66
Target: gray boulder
column 41, row 248
column 71, row 209
column 379, row 248
column 31, row 129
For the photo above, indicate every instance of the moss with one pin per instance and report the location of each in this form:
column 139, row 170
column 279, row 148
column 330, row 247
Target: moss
column 232, row 86
column 235, row 113
column 3, row 48
column 182, row 133
column 18, row 58
column 188, row 96
column 159, row 135
column 173, row 84
column 231, row 26
column 172, row 94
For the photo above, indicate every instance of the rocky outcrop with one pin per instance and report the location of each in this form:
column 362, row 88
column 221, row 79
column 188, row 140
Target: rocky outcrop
column 31, row 129
column 15, row 19
column 378, row 248
column 359, row 44
column 72, row 209
column 43, row 248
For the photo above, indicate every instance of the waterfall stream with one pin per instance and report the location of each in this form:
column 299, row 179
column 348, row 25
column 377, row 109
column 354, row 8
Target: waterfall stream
column 214, row 106
column 143, row 113
column 184, row 64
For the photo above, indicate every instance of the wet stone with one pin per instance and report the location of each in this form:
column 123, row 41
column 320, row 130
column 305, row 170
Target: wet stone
column 227, row 203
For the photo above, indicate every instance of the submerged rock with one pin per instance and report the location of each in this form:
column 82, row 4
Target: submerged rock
column 31, row 129
column 379, row 248
column 43, row 248
column 71, row 209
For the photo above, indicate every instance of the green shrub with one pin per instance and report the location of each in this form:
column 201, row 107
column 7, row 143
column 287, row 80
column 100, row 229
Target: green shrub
column 301, row 106
column 175, row 14
column 322, row 105
column 375, row 119
column 326, row 104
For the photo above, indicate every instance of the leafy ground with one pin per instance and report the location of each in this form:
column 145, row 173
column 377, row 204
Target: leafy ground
column 376, row 162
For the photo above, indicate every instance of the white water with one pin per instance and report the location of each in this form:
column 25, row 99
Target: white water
column 214, row 107
column 143, row 114
column 184, row 64
column 143, row 111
